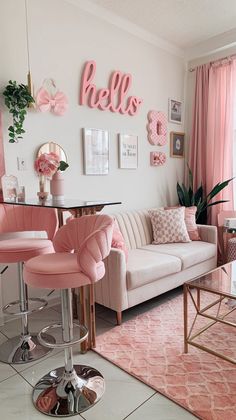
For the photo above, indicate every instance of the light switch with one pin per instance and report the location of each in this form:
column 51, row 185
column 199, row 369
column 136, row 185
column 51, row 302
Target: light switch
column 21, row 164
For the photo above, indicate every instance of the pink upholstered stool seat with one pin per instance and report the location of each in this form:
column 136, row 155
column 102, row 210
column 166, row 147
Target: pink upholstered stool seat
column 18, row 248
column 58, row 271
column 22, row 249
column 81, row 245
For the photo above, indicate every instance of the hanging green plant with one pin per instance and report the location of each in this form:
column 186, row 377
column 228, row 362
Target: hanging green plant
column 17, row 100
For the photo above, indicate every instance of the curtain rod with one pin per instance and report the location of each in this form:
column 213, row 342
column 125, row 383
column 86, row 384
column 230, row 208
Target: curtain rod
column 229, row 58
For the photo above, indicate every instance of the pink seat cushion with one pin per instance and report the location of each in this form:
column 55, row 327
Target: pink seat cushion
column 57, row 271
column 22, row 249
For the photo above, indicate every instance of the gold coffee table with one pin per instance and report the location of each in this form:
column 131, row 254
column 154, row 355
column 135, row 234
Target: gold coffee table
column 221, row 285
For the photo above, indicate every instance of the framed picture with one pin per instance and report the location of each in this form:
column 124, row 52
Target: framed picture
column 176, row 144
column 175, row 111
column 96, row 151
column 128, row 151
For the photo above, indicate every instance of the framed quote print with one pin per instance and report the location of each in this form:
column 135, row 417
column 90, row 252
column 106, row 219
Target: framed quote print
column 128, row 151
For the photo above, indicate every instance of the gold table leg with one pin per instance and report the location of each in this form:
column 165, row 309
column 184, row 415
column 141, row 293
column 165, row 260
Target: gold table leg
column 84, row 298
column 185, row 318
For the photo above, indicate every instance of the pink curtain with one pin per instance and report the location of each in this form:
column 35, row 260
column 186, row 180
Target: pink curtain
column 197, row 161
column 211, row 152
column 219, row 140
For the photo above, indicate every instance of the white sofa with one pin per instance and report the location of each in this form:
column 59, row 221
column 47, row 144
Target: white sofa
column 151, row 269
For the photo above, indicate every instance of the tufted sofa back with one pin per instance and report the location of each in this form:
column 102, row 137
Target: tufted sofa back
column 135, row 227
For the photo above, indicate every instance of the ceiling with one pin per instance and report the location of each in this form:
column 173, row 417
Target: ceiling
column 184, row 23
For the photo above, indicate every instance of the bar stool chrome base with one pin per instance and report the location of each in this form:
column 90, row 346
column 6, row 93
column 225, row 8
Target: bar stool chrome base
column 24, row 349
column 61, row 393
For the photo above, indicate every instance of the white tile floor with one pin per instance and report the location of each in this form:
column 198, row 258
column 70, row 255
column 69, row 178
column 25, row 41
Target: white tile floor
column 125, row 396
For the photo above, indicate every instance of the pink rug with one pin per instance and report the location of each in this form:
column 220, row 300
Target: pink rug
column 150, row 347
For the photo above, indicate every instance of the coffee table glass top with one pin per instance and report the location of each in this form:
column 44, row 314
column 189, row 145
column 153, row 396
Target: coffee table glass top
column 221, row 280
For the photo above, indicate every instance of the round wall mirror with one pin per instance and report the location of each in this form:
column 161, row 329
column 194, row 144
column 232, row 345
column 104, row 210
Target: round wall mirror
column 52, row 147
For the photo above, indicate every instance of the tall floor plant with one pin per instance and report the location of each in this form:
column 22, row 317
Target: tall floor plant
column 187, row 197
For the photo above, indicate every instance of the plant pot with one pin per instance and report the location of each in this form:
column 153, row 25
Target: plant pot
column 57, row 186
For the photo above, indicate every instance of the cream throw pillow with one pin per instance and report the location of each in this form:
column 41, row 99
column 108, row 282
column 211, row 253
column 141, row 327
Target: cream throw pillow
column 169, row 226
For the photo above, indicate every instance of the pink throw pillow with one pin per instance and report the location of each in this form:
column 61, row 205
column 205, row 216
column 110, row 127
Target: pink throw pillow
column 118, row 240
column 190, row 221
column 169, row 226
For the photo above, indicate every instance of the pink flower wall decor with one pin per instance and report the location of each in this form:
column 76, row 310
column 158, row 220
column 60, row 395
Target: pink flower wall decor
column 48, row 98
column 157, row 128
column 47, row 164
column 157, row 158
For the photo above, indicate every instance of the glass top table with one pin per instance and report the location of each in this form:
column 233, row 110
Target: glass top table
column 66, row 204
column 221, row 281
column 77, row 206
column 213, row 297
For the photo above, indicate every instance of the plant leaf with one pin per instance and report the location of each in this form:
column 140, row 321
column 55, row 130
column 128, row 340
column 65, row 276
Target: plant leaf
column 186, row 196
column 217, row 202
column 198, row 195
column 180, row 194
column 63, row 165
column 190, row 177
column 218, row 187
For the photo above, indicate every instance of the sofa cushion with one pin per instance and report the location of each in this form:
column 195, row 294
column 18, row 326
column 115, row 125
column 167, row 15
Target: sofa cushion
column 169, row 226
column 190, row 221
column 144, row 266
column 190, row 253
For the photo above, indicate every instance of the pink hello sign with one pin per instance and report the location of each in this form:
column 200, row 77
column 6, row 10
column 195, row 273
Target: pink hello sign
column 114, row 97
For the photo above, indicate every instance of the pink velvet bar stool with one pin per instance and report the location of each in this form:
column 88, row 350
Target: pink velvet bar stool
column 16, row 249
column 80, row 247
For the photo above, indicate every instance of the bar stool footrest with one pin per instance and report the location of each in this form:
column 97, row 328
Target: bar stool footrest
column 34, row 305
column 82, row 335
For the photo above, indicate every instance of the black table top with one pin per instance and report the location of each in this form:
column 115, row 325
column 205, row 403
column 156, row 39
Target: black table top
column 66, row 204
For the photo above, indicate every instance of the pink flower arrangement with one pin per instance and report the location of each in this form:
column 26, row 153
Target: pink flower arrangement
column 47, row 164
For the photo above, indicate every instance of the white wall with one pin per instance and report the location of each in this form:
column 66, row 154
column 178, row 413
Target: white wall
column 62, row 38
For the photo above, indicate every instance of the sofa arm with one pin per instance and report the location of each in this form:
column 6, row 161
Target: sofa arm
column 208, row 233
column 111, row 290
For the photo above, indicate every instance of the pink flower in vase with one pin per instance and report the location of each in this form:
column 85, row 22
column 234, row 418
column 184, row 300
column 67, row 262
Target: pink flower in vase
column 47, row 164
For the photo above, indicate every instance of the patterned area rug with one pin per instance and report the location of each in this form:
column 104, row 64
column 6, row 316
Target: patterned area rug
column 150, row 347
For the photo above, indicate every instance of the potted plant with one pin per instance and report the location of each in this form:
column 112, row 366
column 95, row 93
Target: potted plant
column 17, row 99
column 188, row 197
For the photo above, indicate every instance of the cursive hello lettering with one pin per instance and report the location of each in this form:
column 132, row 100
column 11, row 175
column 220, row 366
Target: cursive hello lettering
column 112, row 98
